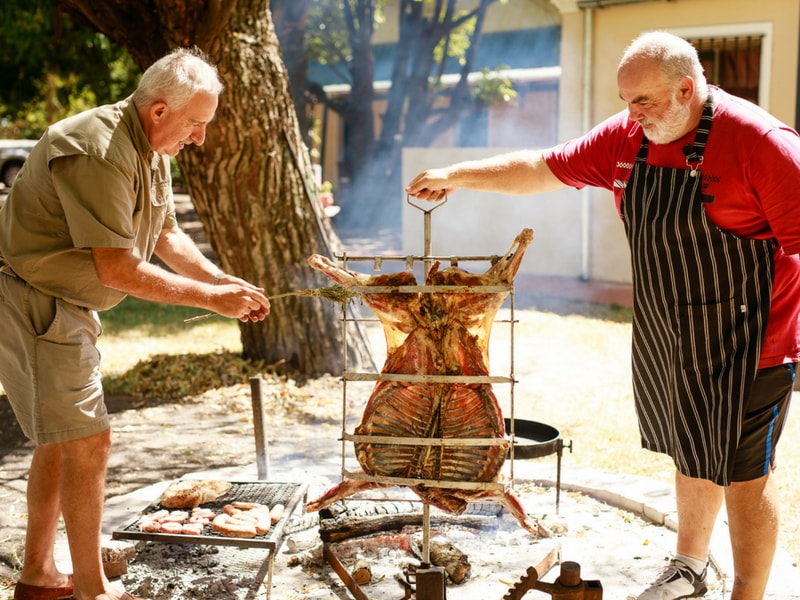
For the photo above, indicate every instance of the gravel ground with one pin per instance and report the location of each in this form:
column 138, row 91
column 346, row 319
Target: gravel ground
column 212, row 435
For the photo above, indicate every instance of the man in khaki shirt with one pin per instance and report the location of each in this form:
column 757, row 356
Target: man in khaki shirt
column 88, row 210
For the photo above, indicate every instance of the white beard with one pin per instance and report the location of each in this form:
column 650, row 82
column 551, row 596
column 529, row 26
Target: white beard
column 672, row 126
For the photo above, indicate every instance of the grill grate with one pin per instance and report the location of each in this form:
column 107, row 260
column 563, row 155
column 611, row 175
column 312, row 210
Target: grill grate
column 263, row 492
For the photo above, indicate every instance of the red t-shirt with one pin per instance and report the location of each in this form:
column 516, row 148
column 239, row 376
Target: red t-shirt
column 750, row 177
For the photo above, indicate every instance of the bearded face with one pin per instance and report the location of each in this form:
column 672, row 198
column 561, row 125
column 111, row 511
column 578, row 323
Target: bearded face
column 671, row 125
column 661, row 103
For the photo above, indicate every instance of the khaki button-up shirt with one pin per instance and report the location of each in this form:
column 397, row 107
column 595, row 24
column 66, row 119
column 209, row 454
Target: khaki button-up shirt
column 92, row 181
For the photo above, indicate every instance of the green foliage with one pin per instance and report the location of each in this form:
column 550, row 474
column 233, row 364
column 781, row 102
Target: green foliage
column 457, row 43
column 493, row 88
column 178, row 180
column 327, row 40
column 53, row 67
column 176, row 376
column 327, row 37
column 152, row 318
column 148, row 351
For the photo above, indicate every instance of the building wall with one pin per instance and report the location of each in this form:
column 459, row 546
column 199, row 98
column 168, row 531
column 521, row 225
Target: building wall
column 477, row 223
column 508, row 16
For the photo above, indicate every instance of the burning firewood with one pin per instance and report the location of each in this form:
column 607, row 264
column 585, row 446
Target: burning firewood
column 342, row 521
column 444, row 554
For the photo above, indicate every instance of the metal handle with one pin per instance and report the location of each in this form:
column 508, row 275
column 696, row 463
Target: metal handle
column 427, row 229
column 434, row 205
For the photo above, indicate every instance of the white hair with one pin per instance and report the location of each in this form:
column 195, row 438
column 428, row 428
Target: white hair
column 176, row 78
column 677, row 57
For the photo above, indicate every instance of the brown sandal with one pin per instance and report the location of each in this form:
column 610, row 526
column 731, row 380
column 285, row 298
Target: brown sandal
column 23, row 591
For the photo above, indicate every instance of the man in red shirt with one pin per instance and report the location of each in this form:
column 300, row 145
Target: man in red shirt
column 705, row 185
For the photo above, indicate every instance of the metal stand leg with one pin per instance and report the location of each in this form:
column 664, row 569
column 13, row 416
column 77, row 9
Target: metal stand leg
column 259, row 429
column 269, row 563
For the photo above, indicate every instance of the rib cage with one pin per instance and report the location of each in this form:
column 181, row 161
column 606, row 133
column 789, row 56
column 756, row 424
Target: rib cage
column 421, row 412
column 433, row 410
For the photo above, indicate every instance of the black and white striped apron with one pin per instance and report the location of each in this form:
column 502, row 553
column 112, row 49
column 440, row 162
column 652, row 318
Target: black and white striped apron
column 701, row 302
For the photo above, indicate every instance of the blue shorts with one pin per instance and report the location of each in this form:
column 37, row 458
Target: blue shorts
column 765, row 416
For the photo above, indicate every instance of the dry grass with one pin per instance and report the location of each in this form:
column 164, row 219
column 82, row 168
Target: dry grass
column 573, row 373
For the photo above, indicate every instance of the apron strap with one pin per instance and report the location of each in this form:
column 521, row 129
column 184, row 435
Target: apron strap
column 694, row 154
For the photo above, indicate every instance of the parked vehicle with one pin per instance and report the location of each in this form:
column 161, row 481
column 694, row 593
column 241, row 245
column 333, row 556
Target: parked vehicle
column 12, row 156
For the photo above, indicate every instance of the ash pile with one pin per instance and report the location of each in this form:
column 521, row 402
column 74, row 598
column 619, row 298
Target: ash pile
column 170, row 571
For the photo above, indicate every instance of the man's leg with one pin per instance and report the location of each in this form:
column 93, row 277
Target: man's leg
column 83, row 471
column 753, row 520
column 698, row 502
column 44, row 508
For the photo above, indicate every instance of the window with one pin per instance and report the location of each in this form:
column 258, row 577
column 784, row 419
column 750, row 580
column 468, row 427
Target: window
column 732, row 63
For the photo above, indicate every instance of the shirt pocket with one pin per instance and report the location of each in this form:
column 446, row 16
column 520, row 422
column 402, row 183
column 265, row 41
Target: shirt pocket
column 161, row 191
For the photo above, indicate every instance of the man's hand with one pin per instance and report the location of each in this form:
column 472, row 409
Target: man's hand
column 235, row 298
column 431, row 185
column 256, row 302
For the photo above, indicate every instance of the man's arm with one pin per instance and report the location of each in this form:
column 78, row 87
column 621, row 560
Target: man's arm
column 518, row 173
column 191, row 285
column 182, row 255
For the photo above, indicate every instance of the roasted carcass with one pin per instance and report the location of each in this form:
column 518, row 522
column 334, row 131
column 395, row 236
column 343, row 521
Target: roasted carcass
column 434, row 333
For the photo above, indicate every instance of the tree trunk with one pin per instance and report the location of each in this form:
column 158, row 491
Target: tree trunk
column 251, row 182
column 290, row 19
column 359, row 115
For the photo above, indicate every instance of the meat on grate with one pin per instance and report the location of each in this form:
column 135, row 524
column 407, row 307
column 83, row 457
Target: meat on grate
column 434, row 333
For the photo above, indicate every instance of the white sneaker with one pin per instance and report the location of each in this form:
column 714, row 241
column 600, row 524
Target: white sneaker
column 676, row 582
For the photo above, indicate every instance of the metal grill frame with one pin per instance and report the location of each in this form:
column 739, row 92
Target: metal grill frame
column 427, row 260
column 351, row 375
column 290, row 496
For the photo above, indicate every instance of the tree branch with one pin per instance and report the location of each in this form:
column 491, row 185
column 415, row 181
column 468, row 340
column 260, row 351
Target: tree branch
column 213, row 20
column 114, row 17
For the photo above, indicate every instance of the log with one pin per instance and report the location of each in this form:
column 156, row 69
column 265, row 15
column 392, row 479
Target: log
column 337, row 525
column 444, row 554
column 361, row 573
column 115, row 555
column 345, row 528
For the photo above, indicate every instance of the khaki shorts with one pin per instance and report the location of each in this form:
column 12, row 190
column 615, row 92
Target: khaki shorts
column 763, row 422
column 49, row 364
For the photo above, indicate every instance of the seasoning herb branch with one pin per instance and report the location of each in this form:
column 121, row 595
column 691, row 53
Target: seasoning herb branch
column 334, row 293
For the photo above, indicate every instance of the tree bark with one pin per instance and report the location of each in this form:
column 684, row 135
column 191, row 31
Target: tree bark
column 251, row 182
